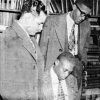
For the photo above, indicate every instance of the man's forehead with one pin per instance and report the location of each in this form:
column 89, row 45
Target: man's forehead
column 41, row 16
column 68, row 64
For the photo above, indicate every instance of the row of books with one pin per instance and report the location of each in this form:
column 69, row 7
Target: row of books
column 11, row 4
column 92, row 70
column 93, row 49
column 6, row 18
column 9, row 10
column 93, row 64
column 61, row 6
column 91, row 74
column 91, row 86
column 96, row 7
column 93, row 79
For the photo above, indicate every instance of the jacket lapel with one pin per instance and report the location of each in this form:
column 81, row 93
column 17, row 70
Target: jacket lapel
column 61, row 30
column 28, row 45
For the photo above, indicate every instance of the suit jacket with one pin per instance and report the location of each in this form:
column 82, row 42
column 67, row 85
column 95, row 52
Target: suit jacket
column 21, row 64
column 53, row 41
column 48, row 90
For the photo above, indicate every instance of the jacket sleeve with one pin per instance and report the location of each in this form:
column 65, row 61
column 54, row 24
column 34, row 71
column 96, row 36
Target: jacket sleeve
column 86, row 45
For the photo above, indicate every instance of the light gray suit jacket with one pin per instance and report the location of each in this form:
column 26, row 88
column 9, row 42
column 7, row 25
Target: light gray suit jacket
column 21, row 65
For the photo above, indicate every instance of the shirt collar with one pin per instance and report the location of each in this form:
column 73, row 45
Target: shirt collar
column 54, row 76
column 70, row 21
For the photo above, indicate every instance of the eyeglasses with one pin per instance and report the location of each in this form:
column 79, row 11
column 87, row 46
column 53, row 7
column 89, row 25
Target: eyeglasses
column 83, row 13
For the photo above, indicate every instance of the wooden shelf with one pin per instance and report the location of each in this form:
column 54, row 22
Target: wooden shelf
column 10, row 10
column 95, row 16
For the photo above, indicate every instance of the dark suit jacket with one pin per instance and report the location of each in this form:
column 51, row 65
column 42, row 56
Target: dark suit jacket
column 21, row 65
column 48, row 90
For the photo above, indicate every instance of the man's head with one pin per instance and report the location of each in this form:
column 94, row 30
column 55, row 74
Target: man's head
column 64, row 65
column 81, row 10
column 29, row 5
column 33, row 16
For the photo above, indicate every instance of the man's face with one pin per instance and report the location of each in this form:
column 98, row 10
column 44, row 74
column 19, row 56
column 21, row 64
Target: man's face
column 36, row 23
column 64, row 69
column 82, row 12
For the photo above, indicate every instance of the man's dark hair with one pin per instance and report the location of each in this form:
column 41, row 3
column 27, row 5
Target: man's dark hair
column 27, row 4
column 87, row 3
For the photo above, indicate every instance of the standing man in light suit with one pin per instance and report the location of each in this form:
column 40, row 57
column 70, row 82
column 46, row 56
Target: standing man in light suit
column 55, row 37
column 21, row 61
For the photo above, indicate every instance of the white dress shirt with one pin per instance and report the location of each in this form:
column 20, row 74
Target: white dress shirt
column 55, row 83
column 70, row 23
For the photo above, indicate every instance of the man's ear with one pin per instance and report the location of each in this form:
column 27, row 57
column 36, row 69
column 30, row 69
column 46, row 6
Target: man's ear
column 56, row 62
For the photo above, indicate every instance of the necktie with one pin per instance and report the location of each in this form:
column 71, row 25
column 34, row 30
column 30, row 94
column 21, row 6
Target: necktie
column 60, row 92
column 71, row 43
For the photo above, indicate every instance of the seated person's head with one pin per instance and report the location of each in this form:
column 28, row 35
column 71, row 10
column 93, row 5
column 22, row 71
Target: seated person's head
column 82, row 10
column 33, row 15
column 64, row 65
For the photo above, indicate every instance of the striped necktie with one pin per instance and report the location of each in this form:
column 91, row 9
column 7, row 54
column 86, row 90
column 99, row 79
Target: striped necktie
column 71, row 42
column 61, row 95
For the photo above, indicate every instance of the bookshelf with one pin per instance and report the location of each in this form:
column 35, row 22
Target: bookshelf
column 91, row 73
column 9, row 10
column 96, row 7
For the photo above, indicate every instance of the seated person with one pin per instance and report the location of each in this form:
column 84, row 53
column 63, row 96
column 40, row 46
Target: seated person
column 61, row 70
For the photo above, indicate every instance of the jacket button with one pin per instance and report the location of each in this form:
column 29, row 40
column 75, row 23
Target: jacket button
column 60, row 50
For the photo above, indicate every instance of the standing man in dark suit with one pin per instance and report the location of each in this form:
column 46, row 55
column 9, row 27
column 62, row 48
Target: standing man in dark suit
column 57, row 35
column 61, row 70
column 21, row 61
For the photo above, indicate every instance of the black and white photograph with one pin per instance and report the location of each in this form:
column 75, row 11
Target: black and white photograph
column 49, row 49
